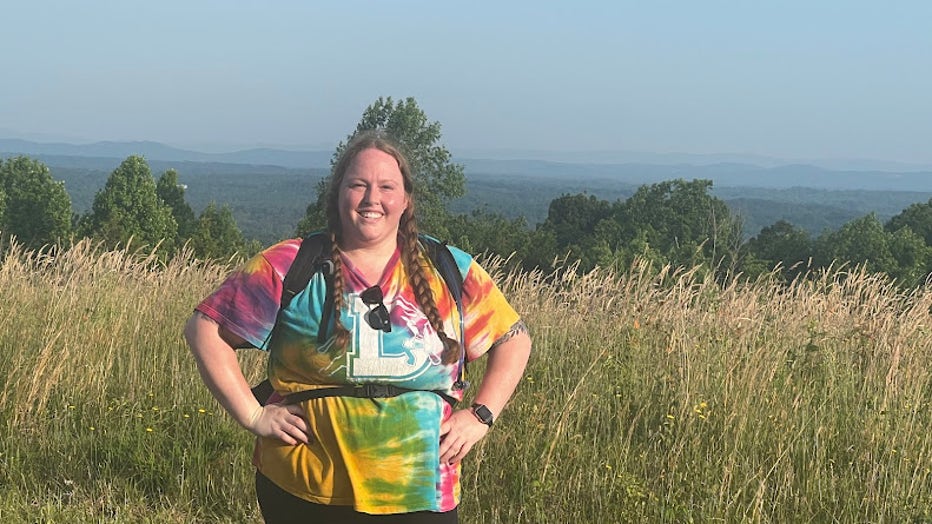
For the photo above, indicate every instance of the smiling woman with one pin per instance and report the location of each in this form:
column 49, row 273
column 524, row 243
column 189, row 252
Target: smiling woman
column 372, row 196
column 392, row 450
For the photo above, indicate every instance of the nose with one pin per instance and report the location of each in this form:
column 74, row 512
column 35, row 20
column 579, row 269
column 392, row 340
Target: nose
column 369, row 196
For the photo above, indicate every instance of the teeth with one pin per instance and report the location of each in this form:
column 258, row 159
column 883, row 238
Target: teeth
column 371, row 215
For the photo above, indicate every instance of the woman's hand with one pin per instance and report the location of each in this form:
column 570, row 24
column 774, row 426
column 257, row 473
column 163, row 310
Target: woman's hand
column 458, row 434
column 212, row 347
column 283, row 422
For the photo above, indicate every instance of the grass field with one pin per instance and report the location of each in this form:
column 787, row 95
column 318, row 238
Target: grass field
column 652, row 396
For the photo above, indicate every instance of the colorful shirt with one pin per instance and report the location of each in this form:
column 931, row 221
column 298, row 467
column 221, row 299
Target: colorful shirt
column 379, row 455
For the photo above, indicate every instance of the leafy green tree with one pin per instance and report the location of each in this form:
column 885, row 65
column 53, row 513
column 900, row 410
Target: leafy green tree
column 781, row 243
column 128, row 207
column 541, row 251
column 582, row 230
column 637, row 248
column 917, row 217
column 172, row 193
column 491, row 233
column 216, row 235
column 912, row 255
column 683, row 222
column 437, row 179
column 37, row 208
column 572, row 217
column 902, row 254
column 860, row 241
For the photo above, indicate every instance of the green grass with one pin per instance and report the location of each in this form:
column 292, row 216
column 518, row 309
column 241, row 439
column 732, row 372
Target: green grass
column 653, row 396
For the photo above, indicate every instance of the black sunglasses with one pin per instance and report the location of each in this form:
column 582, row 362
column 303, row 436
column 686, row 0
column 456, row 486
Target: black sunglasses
column 376, row 318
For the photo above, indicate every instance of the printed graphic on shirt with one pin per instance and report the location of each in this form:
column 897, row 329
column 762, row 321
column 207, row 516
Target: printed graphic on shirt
column 372, row 359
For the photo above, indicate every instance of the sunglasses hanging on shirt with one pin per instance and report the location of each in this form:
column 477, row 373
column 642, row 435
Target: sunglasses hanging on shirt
column 377, row 317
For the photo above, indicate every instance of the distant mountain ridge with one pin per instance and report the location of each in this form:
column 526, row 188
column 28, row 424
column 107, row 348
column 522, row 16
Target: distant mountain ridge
column 640, row 157
column 722, row 174
column 760, row 172
column 158, row 151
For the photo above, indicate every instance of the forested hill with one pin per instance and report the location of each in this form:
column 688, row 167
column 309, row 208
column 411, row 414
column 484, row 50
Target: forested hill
column 814, row 210
column 268, row 194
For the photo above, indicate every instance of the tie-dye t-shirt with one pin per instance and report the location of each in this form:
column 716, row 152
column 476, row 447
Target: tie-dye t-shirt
column 379, row 455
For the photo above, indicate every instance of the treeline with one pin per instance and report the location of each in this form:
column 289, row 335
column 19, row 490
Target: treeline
column 675, row 223
column 133, row 208
column 680, row 224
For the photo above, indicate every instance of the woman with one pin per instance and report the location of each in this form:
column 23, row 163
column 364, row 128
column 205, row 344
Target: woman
column 348, row 459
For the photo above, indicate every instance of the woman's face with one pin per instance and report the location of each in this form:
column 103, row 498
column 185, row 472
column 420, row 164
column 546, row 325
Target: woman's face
column 371, row 200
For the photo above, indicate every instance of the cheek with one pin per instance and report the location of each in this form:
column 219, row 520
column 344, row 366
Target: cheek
column 347, row 201
column 395, row 202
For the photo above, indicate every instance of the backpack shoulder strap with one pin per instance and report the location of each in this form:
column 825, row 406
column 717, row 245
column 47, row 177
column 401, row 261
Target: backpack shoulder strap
column 441, row 257
column 312, row 256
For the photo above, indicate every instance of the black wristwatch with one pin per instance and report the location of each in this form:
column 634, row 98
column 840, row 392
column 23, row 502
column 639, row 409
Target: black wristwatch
column 483, row 413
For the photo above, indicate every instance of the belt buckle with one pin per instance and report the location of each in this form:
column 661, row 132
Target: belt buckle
column 377, row 390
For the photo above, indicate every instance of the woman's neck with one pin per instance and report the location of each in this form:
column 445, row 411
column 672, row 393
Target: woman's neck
column 370, row 261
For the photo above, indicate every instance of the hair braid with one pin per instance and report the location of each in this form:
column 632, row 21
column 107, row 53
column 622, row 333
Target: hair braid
column 341, row 334
column 410, row 254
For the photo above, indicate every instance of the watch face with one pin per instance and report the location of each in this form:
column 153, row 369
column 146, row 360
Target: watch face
column 483, row 414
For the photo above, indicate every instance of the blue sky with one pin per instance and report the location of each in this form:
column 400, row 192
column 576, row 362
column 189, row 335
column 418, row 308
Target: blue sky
column 789, row 79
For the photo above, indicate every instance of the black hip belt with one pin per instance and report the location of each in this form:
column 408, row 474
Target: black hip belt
column 360, row 391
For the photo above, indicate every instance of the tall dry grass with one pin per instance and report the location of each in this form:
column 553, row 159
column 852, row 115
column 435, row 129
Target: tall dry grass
column 103, row 416
column 653, row 395
column 665, row 396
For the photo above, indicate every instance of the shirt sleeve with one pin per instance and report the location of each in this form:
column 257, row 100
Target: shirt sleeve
column 487, row 314
column 247, row 302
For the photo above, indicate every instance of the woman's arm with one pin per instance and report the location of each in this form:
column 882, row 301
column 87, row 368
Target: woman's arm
column 507, row 360
column 212, row 347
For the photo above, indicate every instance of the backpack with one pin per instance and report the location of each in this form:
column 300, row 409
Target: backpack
column 314, row 256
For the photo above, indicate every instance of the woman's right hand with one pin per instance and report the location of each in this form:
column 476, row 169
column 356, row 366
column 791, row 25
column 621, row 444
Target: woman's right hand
column 280, row 421
column 212, row 347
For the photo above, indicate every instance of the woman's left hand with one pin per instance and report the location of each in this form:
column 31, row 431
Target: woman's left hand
column 458, row 434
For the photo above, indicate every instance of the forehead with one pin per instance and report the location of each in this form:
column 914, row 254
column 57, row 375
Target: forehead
column 373, row 162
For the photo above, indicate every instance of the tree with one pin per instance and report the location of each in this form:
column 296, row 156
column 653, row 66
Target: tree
column 913, row 257
column 917, row 217
column 172, row 193
column 485, row 232
column 681, row 221
column 860, row 241
column 216, row 234
column 437, row 180
column 781, row 243
column 37, row 208
column 128, row 207
column 902, row 254
column 573, row 217
column 581, row 229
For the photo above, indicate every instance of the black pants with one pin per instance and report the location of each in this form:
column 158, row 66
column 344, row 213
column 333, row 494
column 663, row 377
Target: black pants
column 280, row 507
